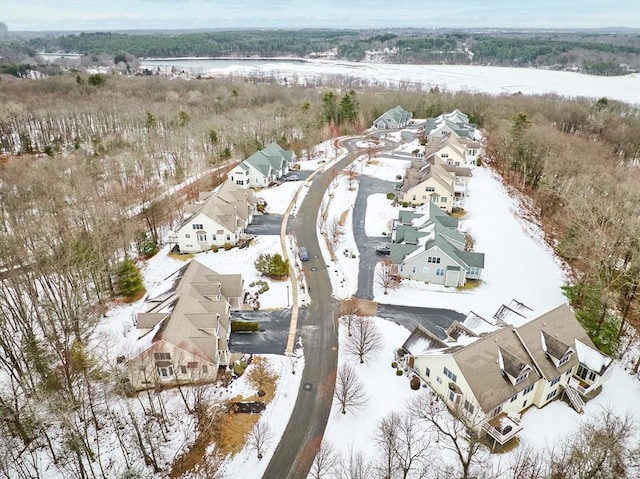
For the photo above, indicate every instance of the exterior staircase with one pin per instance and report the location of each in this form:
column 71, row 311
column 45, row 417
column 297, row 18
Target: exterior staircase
column 574, row 398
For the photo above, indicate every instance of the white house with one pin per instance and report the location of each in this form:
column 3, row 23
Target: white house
column 396, row 117
column 426, row 246
column 219, row 218
column 263, row 167
column 184, row 329
column 491, row 371
column 450, row 123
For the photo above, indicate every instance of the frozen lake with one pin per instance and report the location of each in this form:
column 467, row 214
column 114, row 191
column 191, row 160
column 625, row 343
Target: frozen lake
column 484, row 79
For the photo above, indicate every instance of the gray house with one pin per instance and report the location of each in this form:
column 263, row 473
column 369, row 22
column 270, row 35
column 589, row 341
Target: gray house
column 427, row 246
column 263, row 167
column 396, row 117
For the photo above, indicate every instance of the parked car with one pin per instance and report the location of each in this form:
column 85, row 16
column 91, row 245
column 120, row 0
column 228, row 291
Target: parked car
column 302, row 253
column 292, row 178
column 383, row 248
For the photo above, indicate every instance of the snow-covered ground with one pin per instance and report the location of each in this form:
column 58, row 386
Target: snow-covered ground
column 484, row 79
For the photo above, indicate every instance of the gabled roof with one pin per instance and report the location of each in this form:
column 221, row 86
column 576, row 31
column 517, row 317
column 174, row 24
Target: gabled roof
column 271, row 158
column 397, row 114
column 511, row 364
column 553, row 346
column 422, row 340
column 194, row 314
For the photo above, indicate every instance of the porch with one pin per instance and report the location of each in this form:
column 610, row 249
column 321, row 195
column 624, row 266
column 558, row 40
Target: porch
column 503, row 427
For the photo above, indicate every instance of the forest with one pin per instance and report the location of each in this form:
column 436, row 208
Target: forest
column 84, row 161
column 587, row 52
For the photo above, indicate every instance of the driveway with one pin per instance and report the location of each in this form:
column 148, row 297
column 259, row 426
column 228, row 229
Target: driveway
column 266, row 225
column 274, row 330
column 435, row 320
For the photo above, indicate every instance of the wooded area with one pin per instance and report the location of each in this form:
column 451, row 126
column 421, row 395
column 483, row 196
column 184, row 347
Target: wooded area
column 83, row 167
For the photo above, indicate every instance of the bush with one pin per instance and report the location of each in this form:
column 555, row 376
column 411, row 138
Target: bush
column 399, row 372
column 394, row 365
column 239, row 367
column 264, row 286
column 400, row 353
column 272, row 266
column 244, row 327
column 130, row 282
column 391, row 196
column 405, row 204
column 415, row 383
column 227, row 246
column 214, row 248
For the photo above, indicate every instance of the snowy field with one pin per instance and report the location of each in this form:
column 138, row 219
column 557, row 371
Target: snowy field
column 483, row 79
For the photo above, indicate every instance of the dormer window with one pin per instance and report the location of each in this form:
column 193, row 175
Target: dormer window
column 522, row 376
column 564, row 360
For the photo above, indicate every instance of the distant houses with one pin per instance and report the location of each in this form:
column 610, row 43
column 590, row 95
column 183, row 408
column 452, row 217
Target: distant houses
column 449, row 123
column 490, row 371
column 217, row 219
column 184, row 330
column 396, row 117
column 427, row 246
column 263, row 167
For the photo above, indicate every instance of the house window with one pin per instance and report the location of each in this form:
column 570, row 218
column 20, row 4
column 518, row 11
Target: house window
column 468, row 406
column 427, row 372
column 523, row 375
column 556, row 380
column 496, row 411
column 239, row 182
column 473, row 270
column 439, row 272
column 413, row 269
column 183, row 369
column 524, row 404
column 425, row 270
column 165, row 372
column 162, row 356
column 197, row 226
column 433, row 259
column 445, row 155
column 228, row 237
column 564, row 360
column 213, row 237
column 205, row 369
column 187, row 236
column 551, row 394
column 424, row 197
column 528, row 390
column 202, row 237
column 443, row 199
column 430, row 189
column 449, row 374
column 401, row 268
column 514, row 398
column 568, row 373
column 414, row 197
column 439, row 380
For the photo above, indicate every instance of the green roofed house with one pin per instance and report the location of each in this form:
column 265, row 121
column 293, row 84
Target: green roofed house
column 396, row 117
column 263, row 167
column 427, row 246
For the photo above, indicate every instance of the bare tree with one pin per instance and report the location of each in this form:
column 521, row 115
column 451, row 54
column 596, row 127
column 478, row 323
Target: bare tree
column 384, row 276
column 325, row 463
column 354, row 466
column 349, row 392
column 349, row 309
column 526, row 463
column 403, row 446
column 260, row 375
column 334, row 230
column 352, row 174
column 259, row 438
column 365, row 340
column 454, row 435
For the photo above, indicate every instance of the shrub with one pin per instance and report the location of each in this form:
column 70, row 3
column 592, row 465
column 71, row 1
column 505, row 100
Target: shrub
column 399, row 372
column 415, row 383
column 244, row 326
column 405, row 204
column 252, row 284
column 394, row 365
column 398, row 177
column 391, row 196
column 272, row 266
column 227, row 246
column 239, row 367
column 400, row 353
column 214, row 248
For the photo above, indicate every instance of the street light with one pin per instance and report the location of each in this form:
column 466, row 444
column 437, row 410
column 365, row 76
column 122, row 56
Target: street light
column 287, row 296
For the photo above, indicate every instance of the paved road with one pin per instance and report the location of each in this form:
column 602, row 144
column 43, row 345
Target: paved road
column 296, row 450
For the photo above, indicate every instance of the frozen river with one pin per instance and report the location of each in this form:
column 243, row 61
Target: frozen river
column 485, row 79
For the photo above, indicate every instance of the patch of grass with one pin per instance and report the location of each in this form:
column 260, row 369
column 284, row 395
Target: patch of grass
column 135, row 296
column 343, row 217
column 181, row 256
column 231, row 430
column 470, row 284
column 459, row 213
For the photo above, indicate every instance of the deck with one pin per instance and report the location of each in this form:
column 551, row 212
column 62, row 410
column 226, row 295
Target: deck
column 503, row 427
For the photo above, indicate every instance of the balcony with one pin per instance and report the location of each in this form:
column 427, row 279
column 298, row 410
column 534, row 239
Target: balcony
column 503, row 427
column 582, row 387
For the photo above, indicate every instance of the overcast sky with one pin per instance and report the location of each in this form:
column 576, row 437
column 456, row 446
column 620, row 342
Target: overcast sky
column 88, row 15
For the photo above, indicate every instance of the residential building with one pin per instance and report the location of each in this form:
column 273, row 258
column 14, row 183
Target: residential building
column 184, row 329
column 489, row 371
column 396, row 117
column 218, row 218
column 263, row 167
column 445, row 124
column 427, row 246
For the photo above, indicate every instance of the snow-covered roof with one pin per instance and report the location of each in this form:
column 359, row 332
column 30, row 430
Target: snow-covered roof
column 592, row 358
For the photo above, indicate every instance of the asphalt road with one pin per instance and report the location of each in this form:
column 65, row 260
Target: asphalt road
column 274, row 330
column 303, row 435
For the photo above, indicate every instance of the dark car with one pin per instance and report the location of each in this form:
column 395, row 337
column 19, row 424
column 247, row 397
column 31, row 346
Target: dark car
column 302, row 252
column 383, row 249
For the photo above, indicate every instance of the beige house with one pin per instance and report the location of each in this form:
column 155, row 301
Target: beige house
column 428, row 181
column 184, row 330
column 218, row 218
column 491, row 371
